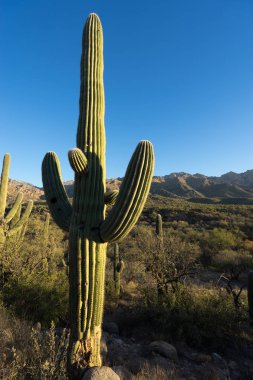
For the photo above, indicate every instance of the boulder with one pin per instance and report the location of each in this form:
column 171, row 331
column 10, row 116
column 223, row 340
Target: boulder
column 165, row 349
column 123, row 372
column 100, row 373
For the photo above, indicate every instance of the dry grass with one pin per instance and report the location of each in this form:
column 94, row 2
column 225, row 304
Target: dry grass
column 155, row 373
column 31, row 353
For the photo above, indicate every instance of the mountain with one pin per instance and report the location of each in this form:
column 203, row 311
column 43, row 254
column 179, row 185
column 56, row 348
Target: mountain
column 30, row 192
column 242, row 179
column 200, row 186
column 230, row 187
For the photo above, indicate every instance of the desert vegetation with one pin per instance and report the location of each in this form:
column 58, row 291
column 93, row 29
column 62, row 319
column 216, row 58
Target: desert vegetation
column 198, row 303
column 176, row 285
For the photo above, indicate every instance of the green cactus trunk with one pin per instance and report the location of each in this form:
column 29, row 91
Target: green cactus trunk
column 89, row 229
column 159, row 226
column 87, row 267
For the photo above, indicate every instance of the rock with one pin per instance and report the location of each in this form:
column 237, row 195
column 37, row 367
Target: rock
column 201, row 358
column 165, row 349
column 123, row 372
column 100, row 373
column 111, row 327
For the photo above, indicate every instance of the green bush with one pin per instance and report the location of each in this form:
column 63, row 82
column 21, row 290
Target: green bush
column 190, row 314
column 43, row 299
column 232, row 263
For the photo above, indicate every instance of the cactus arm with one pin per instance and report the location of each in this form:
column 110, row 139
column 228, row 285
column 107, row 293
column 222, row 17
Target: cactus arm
column 132, row 195
column 110, row 197
column 23, row 220
column 4, row 184
column 78, row 161
column 16, row 217
column 14, row 208
column 55, row 192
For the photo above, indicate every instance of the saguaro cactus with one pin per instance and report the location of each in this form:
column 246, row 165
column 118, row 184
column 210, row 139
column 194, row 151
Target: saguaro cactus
column 12, row 223
column 89, row 229
column 159, row 226
column 118, row 266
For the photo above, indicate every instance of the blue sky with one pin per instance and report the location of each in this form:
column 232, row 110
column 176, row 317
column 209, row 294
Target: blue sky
column 179, row 73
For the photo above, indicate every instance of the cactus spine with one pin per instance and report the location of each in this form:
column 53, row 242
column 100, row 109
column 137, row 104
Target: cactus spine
column 89, row 229
column 12, row 223
column 118, row 268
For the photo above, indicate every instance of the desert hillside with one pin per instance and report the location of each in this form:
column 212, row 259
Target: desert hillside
column 197, row 187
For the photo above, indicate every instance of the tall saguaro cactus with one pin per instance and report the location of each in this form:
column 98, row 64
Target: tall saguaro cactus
column 12, row 223
column 89, row 229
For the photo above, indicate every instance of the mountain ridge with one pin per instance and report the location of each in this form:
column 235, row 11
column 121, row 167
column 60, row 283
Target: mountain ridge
column 174, row 185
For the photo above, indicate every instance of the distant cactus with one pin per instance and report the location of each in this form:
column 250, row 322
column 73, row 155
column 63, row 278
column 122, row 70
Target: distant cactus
column 160, row 246
column 159, row 226
column 89, row 229
column 12, row 223
column 118, row 266
column 250, row 294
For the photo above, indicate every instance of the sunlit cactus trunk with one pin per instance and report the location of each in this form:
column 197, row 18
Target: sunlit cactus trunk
column 89, row 230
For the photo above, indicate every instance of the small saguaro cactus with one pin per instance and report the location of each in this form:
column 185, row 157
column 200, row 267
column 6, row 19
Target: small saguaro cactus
column 89, row 229
column 159, row 226
column 12, row 223
column 118, row 266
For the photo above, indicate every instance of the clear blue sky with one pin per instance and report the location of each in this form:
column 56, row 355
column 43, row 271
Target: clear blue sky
column 179, row 73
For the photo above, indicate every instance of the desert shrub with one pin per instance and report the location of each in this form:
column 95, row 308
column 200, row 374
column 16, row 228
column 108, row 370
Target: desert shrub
column 232, row 263
column 215, row 241
column 169, row 260
column 155, row 373
column 33, row 279
column 42, row 299
column 190, row 314
column 31, row 353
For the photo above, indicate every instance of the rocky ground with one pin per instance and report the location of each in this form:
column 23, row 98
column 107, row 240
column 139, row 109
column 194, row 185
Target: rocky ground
column 132, row 359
